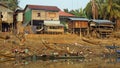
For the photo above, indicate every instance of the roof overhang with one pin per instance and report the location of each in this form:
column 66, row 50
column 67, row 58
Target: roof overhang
column 78, row 19
column 102, row 21
column 54, row 24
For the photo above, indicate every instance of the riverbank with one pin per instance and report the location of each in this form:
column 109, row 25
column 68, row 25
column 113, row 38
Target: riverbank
column 54, row 44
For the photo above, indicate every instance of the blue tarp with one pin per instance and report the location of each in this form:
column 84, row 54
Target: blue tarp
column 118, row 51
column 112, row 47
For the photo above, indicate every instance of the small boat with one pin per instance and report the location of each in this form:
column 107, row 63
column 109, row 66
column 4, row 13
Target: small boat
column 59, row 57
column 70, row 57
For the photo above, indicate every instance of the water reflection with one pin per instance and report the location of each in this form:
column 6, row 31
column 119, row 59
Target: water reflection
column 118, row 59
column 66, row 63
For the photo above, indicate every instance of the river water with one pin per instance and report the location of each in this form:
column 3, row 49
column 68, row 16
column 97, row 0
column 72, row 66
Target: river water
column 64, row 63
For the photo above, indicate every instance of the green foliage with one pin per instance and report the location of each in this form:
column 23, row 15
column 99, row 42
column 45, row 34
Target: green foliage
column 77, row 12
column 88, row 11
column 66, row 10
column 11, row 4
column 107, row 9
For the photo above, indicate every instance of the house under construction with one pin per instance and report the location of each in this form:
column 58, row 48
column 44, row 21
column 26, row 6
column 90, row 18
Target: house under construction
column 101, row 28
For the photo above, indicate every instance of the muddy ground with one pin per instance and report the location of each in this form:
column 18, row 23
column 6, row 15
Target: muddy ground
column 34, row 44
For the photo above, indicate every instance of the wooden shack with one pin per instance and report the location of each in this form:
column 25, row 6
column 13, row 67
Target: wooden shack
column 78, row 25
column 18, row 20
column 102, row 28
column 6, row 18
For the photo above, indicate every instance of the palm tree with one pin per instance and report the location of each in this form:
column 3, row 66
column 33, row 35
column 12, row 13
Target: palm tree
column 88, row 10
column 94, row 9
column 109, row 9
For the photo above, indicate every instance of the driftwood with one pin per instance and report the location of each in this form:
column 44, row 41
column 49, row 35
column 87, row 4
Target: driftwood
column 91, row 41
column 59, row 50
column 7, row 55
column 7, row 59
column 51, row 46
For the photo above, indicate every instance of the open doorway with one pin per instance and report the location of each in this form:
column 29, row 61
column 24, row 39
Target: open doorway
column 6, row 27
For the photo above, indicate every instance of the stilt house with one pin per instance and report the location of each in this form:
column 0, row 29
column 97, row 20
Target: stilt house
column 78, row 26
column 102, row 28
column 43, row 19
column 18, row 20
column 6, row 18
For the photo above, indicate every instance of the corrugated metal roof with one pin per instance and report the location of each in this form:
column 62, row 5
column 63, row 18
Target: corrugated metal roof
column 41, row 7
column 102, row 21
column 79, row 19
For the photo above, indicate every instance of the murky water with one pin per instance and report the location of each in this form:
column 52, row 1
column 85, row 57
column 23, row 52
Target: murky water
column 66, row 63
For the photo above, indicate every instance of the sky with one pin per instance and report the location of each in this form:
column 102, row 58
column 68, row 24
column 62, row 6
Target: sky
column 62, row 4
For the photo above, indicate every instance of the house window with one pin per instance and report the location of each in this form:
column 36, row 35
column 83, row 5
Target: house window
column 52, row 14
column 38, row 15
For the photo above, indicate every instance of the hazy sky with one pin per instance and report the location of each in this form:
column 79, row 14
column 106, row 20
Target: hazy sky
column 62, row 4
